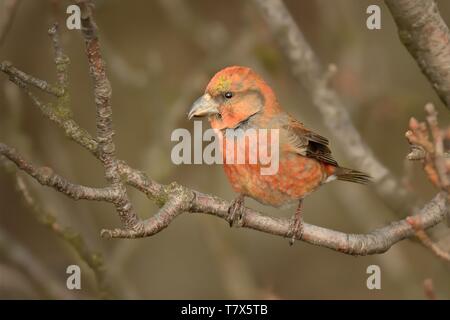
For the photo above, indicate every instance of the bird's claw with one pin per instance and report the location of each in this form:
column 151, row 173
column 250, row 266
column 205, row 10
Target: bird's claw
column 235, row 212
column 295, row 230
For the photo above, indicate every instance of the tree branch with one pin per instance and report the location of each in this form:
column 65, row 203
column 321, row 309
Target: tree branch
column 427, row 145
column 46, row 177
column 427, row 242
column 377, row 241
column 105, row 132
column 16, row 75
column 427, row 38
column 175, row 199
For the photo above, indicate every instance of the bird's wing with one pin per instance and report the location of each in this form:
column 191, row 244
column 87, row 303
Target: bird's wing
column 308, row 143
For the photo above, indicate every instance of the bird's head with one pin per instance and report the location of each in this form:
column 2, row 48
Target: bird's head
column 232, row 96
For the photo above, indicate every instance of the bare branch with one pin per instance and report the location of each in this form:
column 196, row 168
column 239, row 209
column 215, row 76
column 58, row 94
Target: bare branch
column 61, row 60
column 58, row 114
column 179, row 200
column 426, row 241
column 175, row 199
column 46, row 177
column 46, row 217
column 16, row 74
column 377, row 241
column 427, row 38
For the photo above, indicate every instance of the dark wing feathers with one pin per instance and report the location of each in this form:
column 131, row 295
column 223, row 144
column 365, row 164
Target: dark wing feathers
column 321, row 153
column 309, row 144
column 316, row 137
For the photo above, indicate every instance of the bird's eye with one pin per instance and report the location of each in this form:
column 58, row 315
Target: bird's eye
column 228, row 95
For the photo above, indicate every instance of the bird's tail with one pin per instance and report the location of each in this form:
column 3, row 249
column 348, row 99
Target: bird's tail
column 351, row 175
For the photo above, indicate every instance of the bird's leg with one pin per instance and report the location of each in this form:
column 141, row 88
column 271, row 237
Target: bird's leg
column 296, row 228
column 235, row 213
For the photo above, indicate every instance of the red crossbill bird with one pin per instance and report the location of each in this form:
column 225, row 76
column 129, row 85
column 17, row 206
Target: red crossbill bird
column 238, row 98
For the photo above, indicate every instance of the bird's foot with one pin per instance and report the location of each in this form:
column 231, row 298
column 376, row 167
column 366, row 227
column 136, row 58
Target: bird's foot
column 235, row 212
column 295, row 230
column 296, row 227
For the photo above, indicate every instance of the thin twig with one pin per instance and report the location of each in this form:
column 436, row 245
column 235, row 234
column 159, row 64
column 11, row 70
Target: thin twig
column 16, row 75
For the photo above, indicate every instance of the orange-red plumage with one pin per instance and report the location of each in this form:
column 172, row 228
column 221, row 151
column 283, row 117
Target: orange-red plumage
column 238, row 98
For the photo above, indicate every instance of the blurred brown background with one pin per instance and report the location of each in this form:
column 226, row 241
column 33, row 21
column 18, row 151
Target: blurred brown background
column 160, row 56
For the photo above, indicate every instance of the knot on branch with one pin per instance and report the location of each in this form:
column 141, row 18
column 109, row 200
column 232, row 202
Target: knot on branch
column 103, row 88
column 184, row 195
column 178, row 199
column 5, row 65
column 108, row 148
column 44, row 174
column 53, row 29
column 62, row 60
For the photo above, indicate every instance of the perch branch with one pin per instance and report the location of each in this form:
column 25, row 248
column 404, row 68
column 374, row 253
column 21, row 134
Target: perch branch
column 105, row 132
column 427, row 38
column 175, row 199
column 426, row 241
column 61, row 60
